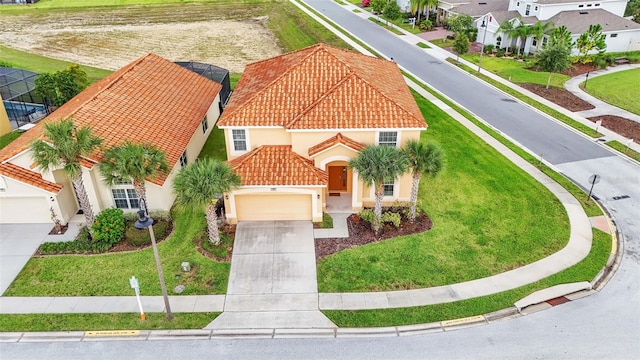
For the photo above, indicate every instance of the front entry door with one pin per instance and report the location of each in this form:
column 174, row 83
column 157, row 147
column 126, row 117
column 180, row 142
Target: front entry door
column 337, row 178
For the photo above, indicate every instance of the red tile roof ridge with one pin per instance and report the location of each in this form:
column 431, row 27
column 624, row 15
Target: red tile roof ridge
column 29, row 177
column 313, row 49
column 334, row 140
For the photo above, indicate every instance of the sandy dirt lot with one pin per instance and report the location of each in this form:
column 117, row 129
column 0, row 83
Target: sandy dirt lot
column 112, row 39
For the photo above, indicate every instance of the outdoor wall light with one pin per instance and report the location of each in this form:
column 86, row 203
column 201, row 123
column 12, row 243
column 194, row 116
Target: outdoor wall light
column 318, row 196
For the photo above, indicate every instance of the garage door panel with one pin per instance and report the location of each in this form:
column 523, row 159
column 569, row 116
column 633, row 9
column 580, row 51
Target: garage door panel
column 24, row 210
column 261, row 207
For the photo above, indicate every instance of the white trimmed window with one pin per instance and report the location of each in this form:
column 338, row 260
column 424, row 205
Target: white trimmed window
column 389, row 187
column 125, row 198
column 183, row 159
column 205, row 125
column 389, row 138
column 239, row 139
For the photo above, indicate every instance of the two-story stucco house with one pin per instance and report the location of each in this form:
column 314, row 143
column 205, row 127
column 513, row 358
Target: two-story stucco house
column 576, row 15
column 150, row 101
column 295, row 120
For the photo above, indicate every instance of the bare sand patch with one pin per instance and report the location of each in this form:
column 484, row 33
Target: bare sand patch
column 98, row 40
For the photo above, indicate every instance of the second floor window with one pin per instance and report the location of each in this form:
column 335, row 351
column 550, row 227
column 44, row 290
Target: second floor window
column 389, row 138
column 239, row 140
column 183, row 159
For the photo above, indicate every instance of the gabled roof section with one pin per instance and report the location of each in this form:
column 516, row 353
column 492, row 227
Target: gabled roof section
column 335, row 140
column 322, row 87
column 277, row 166
column 29, row 177
column 151, row 101
column 578, row 21
column 480, row 7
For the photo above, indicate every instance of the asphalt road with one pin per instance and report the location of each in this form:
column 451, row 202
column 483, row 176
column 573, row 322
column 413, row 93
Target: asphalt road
column 605, row 325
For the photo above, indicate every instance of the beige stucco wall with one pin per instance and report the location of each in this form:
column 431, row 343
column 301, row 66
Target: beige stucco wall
column 22, row 203
column 256, row 137
column 5, row 125
column 278, row 196
column 302, row 141
column 66, row 197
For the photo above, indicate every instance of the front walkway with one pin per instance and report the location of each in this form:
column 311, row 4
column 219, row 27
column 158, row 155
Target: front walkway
column 272, row 283
column 601, row 107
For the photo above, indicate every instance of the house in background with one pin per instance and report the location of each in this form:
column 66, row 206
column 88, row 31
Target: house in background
column 151, row 100
column 295, row 120
column 621, row 34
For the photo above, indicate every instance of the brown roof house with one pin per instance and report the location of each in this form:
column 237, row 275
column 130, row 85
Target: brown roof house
column 295, row 120
column 151, row 100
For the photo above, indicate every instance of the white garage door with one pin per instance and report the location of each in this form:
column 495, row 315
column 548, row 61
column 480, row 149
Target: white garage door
column 259, row 207
column 24, row 210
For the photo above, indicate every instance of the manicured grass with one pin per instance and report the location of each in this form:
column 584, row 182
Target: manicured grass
column 590, row 208
column 488, row 215
column 41, row 64
column 621, row 89
column 296, row 30
column 546, row 109
column 8, row 138
column 386, row 26
column 327, row 221
column 623, row 149
column 423, row 45
column 585, row 270
column 107, row 274
column 215, row 147
column 114, row 321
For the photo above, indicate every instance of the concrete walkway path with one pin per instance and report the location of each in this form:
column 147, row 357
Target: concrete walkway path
column 272, row 283
column 601, row 107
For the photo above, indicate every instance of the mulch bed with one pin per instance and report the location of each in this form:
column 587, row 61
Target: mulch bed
column 562, row 97
column 619, row 125
column 124, row 245
column 63, row 229
column 361, row 233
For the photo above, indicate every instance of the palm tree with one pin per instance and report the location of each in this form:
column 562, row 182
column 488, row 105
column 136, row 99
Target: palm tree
column 63, row 147
column 540, row 29
column 515, row 32
column 136, row 162
column 376, row 164
column 200, row 184
column 424, row 159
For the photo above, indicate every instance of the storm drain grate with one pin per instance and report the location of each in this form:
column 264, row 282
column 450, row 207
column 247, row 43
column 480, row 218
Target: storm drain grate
column 621, row 197
column 557, row 301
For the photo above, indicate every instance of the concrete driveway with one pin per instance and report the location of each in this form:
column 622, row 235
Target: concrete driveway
column 272, row 282
column 17, row 243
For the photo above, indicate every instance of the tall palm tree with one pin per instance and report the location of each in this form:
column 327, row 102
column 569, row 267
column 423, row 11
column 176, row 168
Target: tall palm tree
column 63, row 147
column 376, row 164
column 200, row 184
column 136, row 162
column 424, row 159
column 515, row 32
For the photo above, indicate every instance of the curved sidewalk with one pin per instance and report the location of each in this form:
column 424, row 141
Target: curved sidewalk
column 601, row 107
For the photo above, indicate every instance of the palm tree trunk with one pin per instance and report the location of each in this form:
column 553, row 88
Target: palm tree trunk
column 83, row 199
column 377, row 210
column 212, row 224
column 414, row 196
column 141, row 193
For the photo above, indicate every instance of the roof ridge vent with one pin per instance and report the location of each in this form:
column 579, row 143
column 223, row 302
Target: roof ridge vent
column 583, row 12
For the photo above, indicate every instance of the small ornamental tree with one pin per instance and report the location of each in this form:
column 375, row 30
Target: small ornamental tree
column 553, row 58
column 377, row 6
column 592, row 39
column 460, row 45
column 392, row 11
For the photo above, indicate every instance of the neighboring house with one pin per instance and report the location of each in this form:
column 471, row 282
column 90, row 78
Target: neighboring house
column 295, row 120
column 151, row 100
column 621, row 34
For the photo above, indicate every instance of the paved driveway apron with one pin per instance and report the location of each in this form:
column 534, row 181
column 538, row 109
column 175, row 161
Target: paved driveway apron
column 272, row 282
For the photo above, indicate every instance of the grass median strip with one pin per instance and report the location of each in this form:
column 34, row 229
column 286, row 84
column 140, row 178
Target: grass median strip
column 103, row 322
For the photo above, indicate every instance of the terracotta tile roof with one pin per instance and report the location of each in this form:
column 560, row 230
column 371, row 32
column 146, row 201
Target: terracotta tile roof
column 338, row 139
column 323, row 87
column 29, row 177
column 151, row 100
column 277, row 165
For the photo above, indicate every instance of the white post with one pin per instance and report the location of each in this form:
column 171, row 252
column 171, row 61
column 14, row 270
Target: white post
column 136, row 286
column 484, row 37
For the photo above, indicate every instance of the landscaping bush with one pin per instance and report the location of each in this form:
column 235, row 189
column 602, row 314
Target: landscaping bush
column 366, row 215
column 426, row 25
column 600, row 62
column 391, row 217
column 140, row 237
column 108, row 227
column 500, row 53
column 82, row 244
column 488, row 49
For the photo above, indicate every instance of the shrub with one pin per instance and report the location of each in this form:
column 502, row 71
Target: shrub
column 367, row 215
column 500, row 53
column 139, row 237
column 82, row 244
column 108, row 228
column 391, row 217
column 488, row 49
column 600, row 62
column 426, row 25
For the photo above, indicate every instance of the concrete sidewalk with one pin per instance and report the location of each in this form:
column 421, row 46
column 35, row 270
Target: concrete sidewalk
column 601, row 107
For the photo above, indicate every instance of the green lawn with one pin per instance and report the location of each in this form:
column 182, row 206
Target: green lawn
column 516, row 71
column 9, row 137
column 621, row 89
column 624, row 149
column 489, row 216
column 114, row 321
column 585, row 270
column 107, row 274
column 41, row 64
